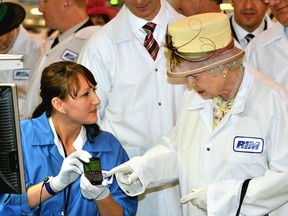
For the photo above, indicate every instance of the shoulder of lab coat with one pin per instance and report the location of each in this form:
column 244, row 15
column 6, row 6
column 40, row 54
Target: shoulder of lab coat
column 87, row 32
column 266, row 37
column 260, row 42
column 25, row 41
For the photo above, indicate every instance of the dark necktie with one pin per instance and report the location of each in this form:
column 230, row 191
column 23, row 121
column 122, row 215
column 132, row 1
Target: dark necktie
column 55, row 42
column 249, row 37
column 150, row 43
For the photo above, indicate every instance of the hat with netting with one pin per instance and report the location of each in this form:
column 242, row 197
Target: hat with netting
column 199, row 43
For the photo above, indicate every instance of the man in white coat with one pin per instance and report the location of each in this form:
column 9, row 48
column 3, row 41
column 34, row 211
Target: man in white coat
column 249, row 18
column 268, row 52
column 15, row 39
column 138, row 101
column 232, row 127
column 73, row 27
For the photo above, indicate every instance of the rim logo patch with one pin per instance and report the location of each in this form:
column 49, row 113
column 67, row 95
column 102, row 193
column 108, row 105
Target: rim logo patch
column 248, row 144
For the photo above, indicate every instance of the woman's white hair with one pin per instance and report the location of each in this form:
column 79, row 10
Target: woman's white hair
column 231, row 65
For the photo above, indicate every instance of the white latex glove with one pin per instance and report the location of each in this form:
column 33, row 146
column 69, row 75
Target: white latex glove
column 124, row 173
column 72, row 168
column 198, row 198
column 96, row 192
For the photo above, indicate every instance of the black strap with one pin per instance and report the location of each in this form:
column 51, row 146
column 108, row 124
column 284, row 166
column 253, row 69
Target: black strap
column 243, row 192
column 86, row 24
column 232, row 29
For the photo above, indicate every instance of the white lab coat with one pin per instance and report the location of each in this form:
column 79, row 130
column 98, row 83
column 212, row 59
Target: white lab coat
column 211, row 158
column 27, row 45
column 268, row 52
column 138, row 104
column 66, row 50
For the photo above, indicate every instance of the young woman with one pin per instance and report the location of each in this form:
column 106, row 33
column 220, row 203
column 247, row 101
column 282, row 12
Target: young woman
column 61, row 136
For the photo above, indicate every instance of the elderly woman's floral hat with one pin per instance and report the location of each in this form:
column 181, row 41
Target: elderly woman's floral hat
column 199, row 43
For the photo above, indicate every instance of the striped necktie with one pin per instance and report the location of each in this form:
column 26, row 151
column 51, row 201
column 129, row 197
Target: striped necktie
column 150, row 43
column 249, row 37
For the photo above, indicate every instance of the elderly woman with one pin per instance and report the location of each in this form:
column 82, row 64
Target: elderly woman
column 61, row 136
column 232, row 127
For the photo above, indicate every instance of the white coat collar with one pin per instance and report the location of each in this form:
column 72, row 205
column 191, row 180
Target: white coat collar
column 238, row 106
column 121, row 25
column 77, row 144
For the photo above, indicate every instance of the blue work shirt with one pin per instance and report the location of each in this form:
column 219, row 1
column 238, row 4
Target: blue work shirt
column 42, row 158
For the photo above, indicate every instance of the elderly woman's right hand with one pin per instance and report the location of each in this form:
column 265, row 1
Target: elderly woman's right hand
column 72, row 168
column 125, row 174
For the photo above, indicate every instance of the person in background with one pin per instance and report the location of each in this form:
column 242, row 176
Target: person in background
column 100, row 12
column 15, row 39
column 270, row 50
column 231, row 129
column 139, row 101
column 74, row 28
column 248, row 20
column 193, row 7
column 61, row 136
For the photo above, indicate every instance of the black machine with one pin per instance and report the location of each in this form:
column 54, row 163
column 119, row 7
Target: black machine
column 12, row 178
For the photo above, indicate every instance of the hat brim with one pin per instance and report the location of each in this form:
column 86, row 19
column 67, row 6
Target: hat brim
column 14, row 17
column 186, row 67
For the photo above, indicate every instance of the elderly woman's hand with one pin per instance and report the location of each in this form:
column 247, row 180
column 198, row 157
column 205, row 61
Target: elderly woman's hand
column 198, row 198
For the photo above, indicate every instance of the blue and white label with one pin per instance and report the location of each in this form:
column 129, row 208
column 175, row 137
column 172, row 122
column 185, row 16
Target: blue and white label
column 248, row 144
column 21, row 74
column 69, row 55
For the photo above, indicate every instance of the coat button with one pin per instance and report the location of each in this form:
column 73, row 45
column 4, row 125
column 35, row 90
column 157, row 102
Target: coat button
column 208, row 149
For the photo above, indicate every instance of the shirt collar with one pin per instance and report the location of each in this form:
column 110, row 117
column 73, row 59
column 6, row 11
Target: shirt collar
column 241, row 33
column 77, row 144
column 137, row 23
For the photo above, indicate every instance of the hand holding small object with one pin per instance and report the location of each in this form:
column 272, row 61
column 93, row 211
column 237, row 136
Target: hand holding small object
column 72, row 168
column 95, row 192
